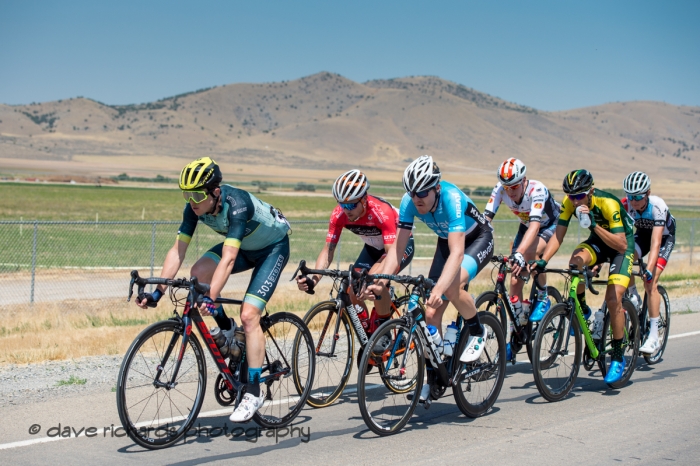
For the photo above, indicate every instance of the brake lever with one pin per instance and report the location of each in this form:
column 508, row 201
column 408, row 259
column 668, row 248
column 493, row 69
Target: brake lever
column 134, row 276
column 301, row 268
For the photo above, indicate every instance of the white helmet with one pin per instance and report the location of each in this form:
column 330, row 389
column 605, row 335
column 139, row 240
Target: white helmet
column 511, row 172
column 421, row 174
column 636, row 183
column 350, row 186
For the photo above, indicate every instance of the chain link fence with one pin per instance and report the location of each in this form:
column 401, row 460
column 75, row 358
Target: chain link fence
column 54, row 261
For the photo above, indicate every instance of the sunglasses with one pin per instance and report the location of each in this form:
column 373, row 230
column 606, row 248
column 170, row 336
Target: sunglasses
column 348, row 206
column 422, row 194
column 512, row 188
column 579, row 196
column 195, row 196
column 636, row 197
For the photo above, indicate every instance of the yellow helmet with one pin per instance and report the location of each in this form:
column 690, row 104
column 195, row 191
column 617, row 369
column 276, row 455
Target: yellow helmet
column 203, row 173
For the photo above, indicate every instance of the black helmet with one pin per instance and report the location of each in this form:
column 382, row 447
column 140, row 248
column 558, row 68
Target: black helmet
column 578, row 181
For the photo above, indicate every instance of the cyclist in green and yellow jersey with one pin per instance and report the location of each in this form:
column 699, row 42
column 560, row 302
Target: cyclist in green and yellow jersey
column 611, row 240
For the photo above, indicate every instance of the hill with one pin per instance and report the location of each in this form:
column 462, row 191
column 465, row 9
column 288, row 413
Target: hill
column 317, row 126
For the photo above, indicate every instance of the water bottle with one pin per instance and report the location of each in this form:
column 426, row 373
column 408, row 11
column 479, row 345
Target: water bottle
column 635, row 298
column 583, row 220
column 518, row 311
column 363, row 315
column 448, row 343
column 435, row 335
column 413, row 302
column 598, row 325
column 238, row 344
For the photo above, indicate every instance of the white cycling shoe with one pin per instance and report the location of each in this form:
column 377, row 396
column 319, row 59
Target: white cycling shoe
column 650, row 346
column 475, row 346
column 249, row 405
column 425, row 392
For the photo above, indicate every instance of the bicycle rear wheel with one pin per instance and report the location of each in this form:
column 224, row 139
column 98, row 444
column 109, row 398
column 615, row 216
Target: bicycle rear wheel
column 287, row 371
column 630, row 343
column 333, row 365
column 155, row 413
column 388, row 396
column 476, row 385
column 557, row 354
column 664, row 327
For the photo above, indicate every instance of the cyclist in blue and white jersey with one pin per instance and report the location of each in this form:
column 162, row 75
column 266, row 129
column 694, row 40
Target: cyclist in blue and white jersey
column 255, row 238
column 655, row 235
column 464, row 247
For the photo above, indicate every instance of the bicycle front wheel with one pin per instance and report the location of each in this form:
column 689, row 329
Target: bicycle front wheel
column 630, row 343
column 476, row 385
column 155, row 410
column 556, row 353
column 287, row 371
column 334, row 352
column 664, row 326
column 388, row 396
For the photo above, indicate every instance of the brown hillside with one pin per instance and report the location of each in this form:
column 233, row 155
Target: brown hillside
column 319, row 125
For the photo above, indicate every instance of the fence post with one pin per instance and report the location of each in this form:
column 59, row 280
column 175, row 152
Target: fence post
column 692, row 235
column 31, row 296
column 153, row 249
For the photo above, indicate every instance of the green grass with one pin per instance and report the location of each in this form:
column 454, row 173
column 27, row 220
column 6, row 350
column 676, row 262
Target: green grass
column 72, row 380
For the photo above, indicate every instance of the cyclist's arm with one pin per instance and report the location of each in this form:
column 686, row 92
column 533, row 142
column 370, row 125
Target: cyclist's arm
column 617, row 241
column 656, row 235
column 394, row 252
column 529, row 237
column 324, row 259
column 555, row 242
column 493, row 203
column 455, row 242
column 223, row 270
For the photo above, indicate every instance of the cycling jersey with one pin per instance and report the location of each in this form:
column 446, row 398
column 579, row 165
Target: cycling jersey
column 608, row 213
column 377, row 227
column 655, row 214
column 455, row 212
column 537, row 204
column 247, row 222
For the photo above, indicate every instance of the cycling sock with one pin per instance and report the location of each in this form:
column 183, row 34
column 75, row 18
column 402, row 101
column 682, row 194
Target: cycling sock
column 475, row 327
column 654, row 328
column 542, row 294
column 253, row 385
column 617, row 350
column 222, row 319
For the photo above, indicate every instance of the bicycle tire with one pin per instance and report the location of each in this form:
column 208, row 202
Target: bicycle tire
column 135, row 385
column 286, row 336
column 332, row 371
column 631, row 344
column 490, row 300
column 551, row 335
column 490, row 370
column 664, row 327
column 379, row 404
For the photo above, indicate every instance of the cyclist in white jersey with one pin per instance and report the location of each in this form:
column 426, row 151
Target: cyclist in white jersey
column 655, row 235
column 538, row 213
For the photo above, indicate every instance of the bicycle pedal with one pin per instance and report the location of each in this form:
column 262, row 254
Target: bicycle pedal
column 426, row 403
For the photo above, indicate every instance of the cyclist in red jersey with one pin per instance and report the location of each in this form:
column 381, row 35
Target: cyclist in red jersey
column 375, row 221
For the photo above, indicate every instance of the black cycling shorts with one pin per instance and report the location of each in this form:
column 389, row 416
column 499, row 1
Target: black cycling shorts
column 667, row 242
column 545, row 233
column 370, row 256
column 477, row 254
column 620, row 264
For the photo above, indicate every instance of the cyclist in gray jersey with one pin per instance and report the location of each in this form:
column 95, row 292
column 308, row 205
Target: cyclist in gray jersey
column 255, row 237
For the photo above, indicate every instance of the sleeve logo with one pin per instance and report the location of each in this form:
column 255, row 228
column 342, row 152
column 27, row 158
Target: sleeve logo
column 537, row 205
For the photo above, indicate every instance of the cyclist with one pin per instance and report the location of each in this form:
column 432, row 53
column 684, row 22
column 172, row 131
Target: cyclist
column 655, row 235
column 611, row 240
column 538, row 213
column 464, row 247
column 374, row 220
column 255, row 238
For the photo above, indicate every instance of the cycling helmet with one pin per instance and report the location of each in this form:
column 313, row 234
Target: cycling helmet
column 512, row 172
column 578, row 181
column 421, row 174
column 350, row 186
column 636, row 183
column 203, row 173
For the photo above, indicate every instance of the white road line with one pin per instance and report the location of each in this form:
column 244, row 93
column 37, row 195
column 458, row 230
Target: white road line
column 683, row 335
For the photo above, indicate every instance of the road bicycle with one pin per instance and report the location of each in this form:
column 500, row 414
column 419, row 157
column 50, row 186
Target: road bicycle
column 643, row 317
column 498, row 303
column 334, row 324
column 163, row 377
column 557, row 348
column 389, row 396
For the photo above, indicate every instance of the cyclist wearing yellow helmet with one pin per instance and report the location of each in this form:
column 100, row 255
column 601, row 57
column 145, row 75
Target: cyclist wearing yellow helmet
column 255, row 238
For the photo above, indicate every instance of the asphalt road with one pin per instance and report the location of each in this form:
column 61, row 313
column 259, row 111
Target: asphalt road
column 653, row 420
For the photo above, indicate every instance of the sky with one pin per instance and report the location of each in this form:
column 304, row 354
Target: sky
column 551, row 55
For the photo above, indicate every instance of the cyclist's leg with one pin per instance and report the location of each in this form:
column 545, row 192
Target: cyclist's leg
column 383, row 306
column 653, row 297
column 516, row 285
column 618, row 280
column 586, row 253
column 640, row 250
